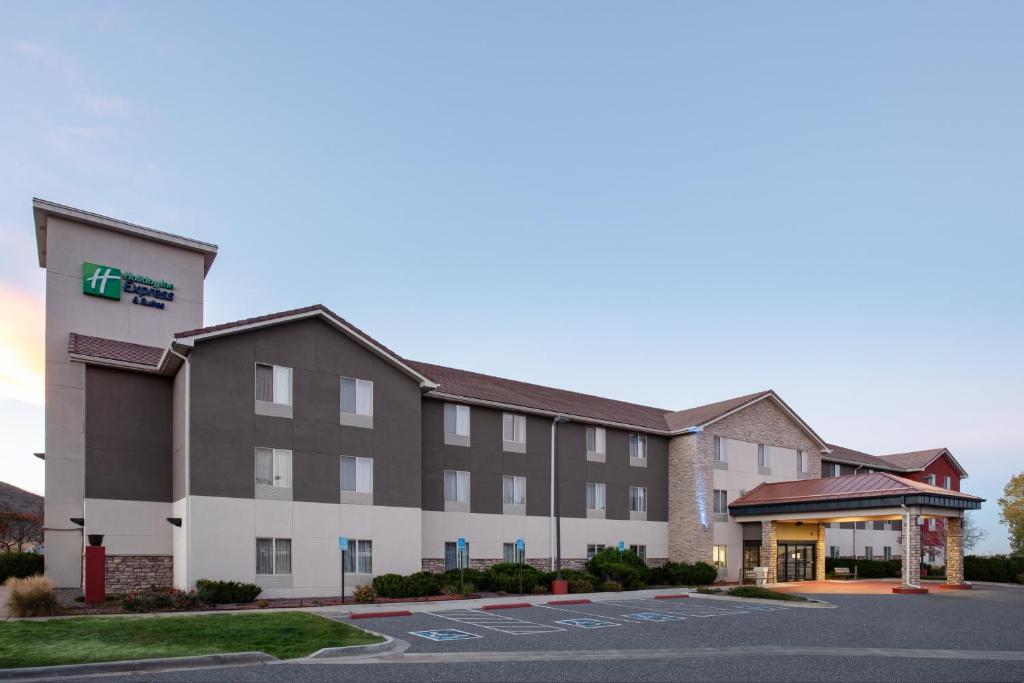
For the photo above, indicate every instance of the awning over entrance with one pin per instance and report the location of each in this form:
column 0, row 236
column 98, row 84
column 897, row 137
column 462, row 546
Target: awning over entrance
column 878, row 495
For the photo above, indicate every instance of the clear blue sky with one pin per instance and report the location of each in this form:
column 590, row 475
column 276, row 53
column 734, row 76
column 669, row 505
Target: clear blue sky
column 668, row 203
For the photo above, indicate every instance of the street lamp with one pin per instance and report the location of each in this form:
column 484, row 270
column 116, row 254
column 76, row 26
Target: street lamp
column 558, row 511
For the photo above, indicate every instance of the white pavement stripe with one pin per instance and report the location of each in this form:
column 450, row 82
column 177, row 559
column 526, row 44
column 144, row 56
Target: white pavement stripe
column 591, row 614
column 496, row 622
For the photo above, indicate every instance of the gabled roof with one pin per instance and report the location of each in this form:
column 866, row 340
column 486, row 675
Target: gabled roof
column 881, row 485
column 915, row 461
column 452, row 382
column 98, row 349
column 858, row 458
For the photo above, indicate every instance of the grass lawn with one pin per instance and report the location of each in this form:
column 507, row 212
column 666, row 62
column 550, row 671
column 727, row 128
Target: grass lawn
column 105, row 639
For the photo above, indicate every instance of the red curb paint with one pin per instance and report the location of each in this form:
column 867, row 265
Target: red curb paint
column 670, row 597
column 955, row 586
column 507, row 605
column 576, row 601
column 373, row 615
column 909, row 591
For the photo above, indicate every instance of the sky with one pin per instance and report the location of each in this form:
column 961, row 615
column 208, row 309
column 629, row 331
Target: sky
column 664, row 203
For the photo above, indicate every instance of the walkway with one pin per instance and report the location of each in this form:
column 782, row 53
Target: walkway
column 841, row 587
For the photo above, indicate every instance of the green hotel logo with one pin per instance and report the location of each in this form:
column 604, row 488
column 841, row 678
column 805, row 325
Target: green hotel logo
column 100, row 280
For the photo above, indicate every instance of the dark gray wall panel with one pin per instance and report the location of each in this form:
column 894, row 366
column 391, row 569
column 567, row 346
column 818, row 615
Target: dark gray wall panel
column 316, row 477
column 127, row 435
column 273, row 432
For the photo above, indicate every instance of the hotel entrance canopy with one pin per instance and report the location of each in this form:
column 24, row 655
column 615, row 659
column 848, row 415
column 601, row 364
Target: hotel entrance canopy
column 877, row 495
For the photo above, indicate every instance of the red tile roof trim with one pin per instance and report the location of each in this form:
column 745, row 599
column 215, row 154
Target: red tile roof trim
column 840, row 488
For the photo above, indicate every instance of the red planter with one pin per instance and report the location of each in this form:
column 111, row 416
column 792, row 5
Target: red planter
column 559, row 587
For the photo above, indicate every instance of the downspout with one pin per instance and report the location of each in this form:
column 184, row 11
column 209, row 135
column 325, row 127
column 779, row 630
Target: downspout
column 188, row 458
column 855, row 528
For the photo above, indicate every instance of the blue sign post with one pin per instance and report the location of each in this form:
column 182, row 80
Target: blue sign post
column 343, row 546
column 462, row 568
column 521, row 556
column 622, row 546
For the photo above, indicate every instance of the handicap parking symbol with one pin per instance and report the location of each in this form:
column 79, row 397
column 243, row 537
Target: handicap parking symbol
column 444, row 635
column 653, row 616
column 587, row 623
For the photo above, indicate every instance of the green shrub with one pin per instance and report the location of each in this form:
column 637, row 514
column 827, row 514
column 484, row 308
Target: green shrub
column 364, row 594
column 32, row 596
column 226, row 592
column 150, row 599
column 624, row 567
column 413, row 586
column 997, row 568
column 183, row 600
column 683, row 574
column 422, row 584
column 611, row 586
column 539, row 589
column 581, row 586
column 867, row 569
column 505, row 577
column 20, row 565
column 763, row 593
column 474, row 576
column 390, row 586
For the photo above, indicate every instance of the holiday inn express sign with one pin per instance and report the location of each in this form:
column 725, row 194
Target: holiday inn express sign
column 108, row 282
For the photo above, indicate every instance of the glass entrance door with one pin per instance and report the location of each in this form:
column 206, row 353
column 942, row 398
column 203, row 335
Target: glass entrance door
column 796, row 562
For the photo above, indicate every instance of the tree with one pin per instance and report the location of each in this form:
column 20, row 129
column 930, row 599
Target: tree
column 1011, row 512
column 972, row 533
column 19, row 531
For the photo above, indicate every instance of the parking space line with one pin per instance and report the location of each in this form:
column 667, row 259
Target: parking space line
column 497, row 622
column 590, row 614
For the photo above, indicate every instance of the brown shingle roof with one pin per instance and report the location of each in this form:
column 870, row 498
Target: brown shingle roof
column 840, row 488
column 693, row 417
column 915, row 460
column 111, row 349
column 482, row 387
column 848, row 455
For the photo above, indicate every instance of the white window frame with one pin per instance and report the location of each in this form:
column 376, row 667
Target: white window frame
column 764, row 456
column 887, row 552
column 594, row 549
column 836, row 470
column 600, row 440
column 518, row 490
column 280, row 375
column 801, row 462
column 640, row 499
column 461, row 486
column 947, row 482
column 719, row 448
column 280, row 467
column 640, row 551
column 598, row 497
column 638, row 445
column 364, row 466
column 869, row 552
column 363, row 396
column 931, row 524
column 274, row 556
column 461, row 420
column 461, row 557
column 833, row 552
column 513, row 425
column 359, row 556
column 720, row 556
column 509, row 550
column 930, row 479
column 720, row 496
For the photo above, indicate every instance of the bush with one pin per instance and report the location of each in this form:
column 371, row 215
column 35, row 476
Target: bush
column 150, row 599
column 184, row 600
column 226, row 592
column 683, row 574
column 763, row 593
column 997, row 568
column 505, row 577
column 867, row 569
column 624, row 567
column 33, row 596
column 454, row 577
column 581, row 586
column 412, row 586
column 20, row 565
column 539, row 589
column 390, row 586
column 364, row 594
column 611, row 586
column 423, row 583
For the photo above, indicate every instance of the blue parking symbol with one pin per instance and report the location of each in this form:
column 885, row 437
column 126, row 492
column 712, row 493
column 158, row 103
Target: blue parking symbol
column 444, row 635
column 587, row 623
column 653, row 616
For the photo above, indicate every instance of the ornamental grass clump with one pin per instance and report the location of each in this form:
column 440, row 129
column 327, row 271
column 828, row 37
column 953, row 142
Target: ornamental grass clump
column 33, row 596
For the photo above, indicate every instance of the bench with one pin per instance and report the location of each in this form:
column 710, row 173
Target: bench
column 842, row 573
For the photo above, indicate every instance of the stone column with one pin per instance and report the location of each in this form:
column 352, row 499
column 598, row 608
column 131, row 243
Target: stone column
column 769, row 551
column 911, row 551
column 954, row 551
column 819, row 554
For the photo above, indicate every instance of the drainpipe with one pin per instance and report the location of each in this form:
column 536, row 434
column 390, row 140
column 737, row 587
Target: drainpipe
column 188, row 457
column 558, row 513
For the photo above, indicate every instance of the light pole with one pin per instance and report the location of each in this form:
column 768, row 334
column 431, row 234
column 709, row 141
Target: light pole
column 558, row 512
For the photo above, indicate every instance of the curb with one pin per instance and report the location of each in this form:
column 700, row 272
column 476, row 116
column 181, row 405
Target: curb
column 577, row 601
column 673, row 596
column 131, row 666
column 374, row 615
column 506, row 605
column 355, row 650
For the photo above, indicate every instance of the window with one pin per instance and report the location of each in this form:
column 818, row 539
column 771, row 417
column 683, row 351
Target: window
column 359, row 557
column 931, row 555
column 719, row 449
column 931, row 524
column 514, row 490
column 514, row 428
column 638, row 446
column 356, row 474
column 887, row 552
column 860, row 525
column 356, row 396
column 595, row 440
column 456, row 486
column 897, row 525
column 638, row 499
column 846, row 525
column 595, row 497
column 878, row 526
column 453, row 559
column 640, row 550
column 720, row 556
column 869, row 552
column 273, row 556
column 801, row 462
column 456, row 419
column 273, row 467
column 930, row 479
column 833, row 552
column 764, row 457
column 273, row 384
column 720, row 502
column 947, row 482
column 836, row 471
column 510, row 555
column 594, row 549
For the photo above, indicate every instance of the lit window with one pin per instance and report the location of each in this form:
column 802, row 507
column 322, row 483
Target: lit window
column 356, row 396
column 595, row 497
column 356, row 474
column 274, row 467
column 273, row 384
column 638, row 446
column 456, row 419
column 720, row 556
column 595, row 440
column 638, row 499
column 514, row 490
column 514, row 428
column 456, row 486
column 273, row 556
column 359, row 557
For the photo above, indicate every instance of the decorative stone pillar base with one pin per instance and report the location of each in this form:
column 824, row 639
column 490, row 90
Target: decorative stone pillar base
column 769, row 551
column 955, row 551
column 911, row 556
column 819, row 554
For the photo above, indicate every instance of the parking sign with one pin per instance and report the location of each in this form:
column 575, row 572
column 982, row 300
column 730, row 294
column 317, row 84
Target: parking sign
column 342, row 542
column 520, row 544
column 462, row 544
